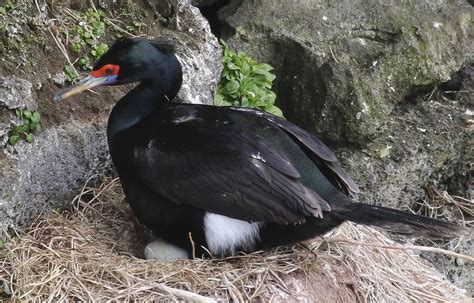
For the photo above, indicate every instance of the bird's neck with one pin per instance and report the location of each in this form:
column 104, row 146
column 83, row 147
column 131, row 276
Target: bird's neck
column 136, row 106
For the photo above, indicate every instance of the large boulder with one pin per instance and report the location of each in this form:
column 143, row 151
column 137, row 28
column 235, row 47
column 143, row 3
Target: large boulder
column 49, row 172
column 344, row 66
column 352, row 73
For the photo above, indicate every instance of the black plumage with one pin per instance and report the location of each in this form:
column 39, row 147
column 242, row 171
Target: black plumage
column 178, row 162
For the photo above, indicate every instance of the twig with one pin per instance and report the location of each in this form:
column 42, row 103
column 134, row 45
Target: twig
column 403, row 247
column 192, row 245
column 185, row 294
column 332, row 54
column 233, row 291
column 110, row 22
column 63, row 51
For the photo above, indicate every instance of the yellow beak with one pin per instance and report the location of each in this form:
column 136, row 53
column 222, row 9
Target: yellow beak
column 85, row 84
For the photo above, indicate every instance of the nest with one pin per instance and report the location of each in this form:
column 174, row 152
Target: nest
column 90, row 254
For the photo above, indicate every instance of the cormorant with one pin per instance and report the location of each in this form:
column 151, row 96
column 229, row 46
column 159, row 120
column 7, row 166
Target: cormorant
column 233, row 179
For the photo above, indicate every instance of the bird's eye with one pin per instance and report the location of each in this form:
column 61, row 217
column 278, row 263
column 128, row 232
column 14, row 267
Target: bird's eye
column 108, row 70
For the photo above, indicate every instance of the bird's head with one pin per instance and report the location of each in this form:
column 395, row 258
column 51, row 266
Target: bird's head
column 132, row 60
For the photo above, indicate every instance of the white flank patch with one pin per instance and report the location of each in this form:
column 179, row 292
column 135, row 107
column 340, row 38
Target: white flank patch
column 225, row 235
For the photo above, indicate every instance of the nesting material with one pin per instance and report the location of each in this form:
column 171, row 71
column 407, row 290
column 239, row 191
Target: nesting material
column 90, row 254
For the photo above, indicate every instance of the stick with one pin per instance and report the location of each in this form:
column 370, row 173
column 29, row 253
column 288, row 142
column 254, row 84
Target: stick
column 192, row 244
column 403, row 247
column 185, row 294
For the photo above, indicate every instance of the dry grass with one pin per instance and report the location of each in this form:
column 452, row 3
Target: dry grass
column 88, row 255
column 439, row 204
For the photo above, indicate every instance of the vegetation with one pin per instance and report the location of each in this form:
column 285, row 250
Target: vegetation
column 245, row 82
column 30, row 126
column 86, row 41
column 6, row 7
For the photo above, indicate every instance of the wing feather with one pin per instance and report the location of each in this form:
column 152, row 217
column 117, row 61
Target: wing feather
column 194, row 157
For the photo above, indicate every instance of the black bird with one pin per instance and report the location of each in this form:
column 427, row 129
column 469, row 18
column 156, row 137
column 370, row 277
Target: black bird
column 235, row 179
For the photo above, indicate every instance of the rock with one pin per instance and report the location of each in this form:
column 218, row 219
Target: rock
column 59, row 78
column 72, row 148
column 16, row 93
column 200, row 56
column 351, row 72
column 343, row 67
column 197, row 49
column 425, row 142
column 203, row 2
column 47, row 173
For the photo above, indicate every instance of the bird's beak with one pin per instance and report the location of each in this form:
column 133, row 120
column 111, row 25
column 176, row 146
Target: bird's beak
column 85, row 84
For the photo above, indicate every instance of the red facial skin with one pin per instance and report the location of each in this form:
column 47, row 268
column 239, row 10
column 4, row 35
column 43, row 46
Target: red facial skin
column 106, row 71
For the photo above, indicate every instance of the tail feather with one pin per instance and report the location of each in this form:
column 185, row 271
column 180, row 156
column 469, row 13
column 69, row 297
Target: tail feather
column 399, row 221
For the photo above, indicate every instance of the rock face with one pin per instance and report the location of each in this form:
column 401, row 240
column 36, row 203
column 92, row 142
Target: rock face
column 344, row 66
column 50, row 172
column 351, row 71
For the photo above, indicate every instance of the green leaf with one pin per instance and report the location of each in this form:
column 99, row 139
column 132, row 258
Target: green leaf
column 232, row 86
column 276, row 111
column 245, row 68
column 15, row 131
column 232, row 66
column 37, row 129
column 244, row 101
column 27, row 114
column 24, row 128
column 270, row 77
column 76, row 47
column 30, row 138
column 265, row 67
column 218, row 100
column 35, row 118
column 14, row 139
column 245, row 82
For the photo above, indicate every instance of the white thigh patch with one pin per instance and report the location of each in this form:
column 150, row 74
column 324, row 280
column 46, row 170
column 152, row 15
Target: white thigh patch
column 226, row 235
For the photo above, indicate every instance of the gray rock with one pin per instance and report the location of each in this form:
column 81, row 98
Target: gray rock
column 425, row 142
column 200, row 56
column 59, row 78
column 343, row 66
column 47, row 174
column 203, row 2
column 15, row 93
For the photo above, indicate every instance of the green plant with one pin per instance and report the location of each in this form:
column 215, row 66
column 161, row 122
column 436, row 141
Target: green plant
column 6, row 7
column 85, row 63
column 85, row 40
column 245, row 82
column 98, row 50
column 30, row 126
column 70, row 74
